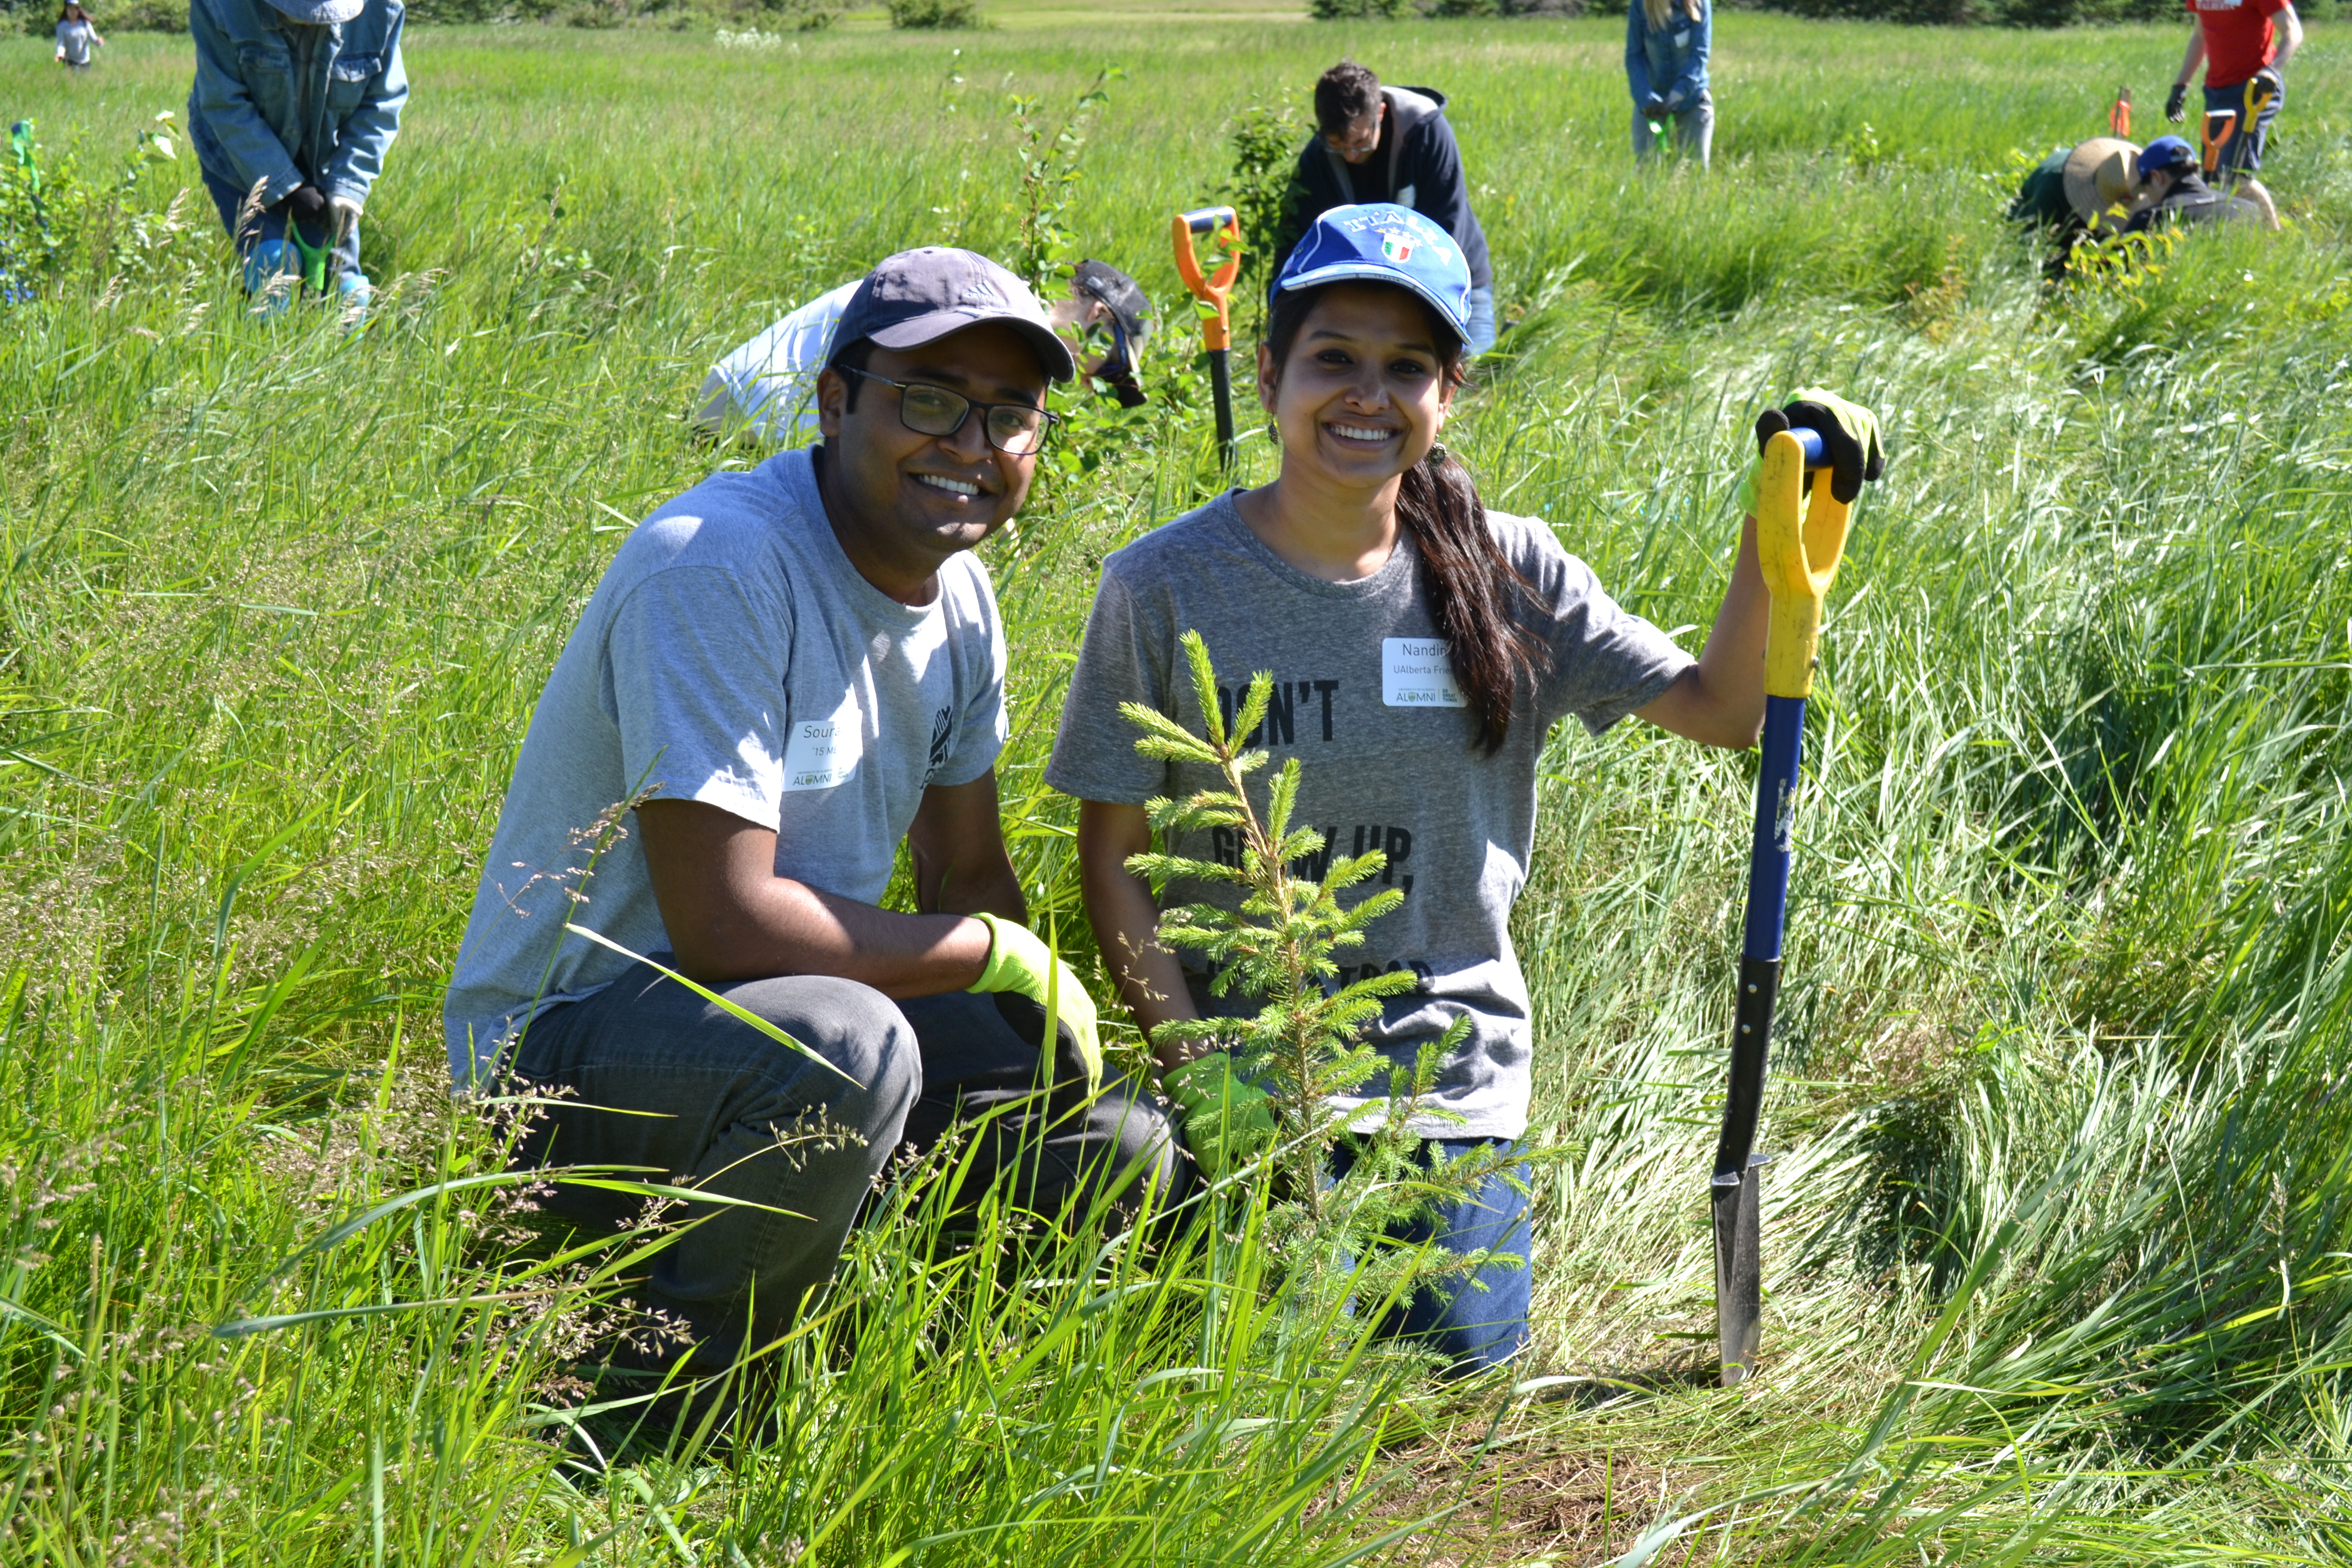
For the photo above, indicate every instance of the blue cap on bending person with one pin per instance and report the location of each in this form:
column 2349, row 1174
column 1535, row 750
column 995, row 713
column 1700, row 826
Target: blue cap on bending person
column 1380, row 242
column 2165, row 155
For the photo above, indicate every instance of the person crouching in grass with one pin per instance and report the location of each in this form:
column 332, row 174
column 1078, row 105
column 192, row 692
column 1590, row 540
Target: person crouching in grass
column 768, row 385
column 784, row 674
column 1372, row 550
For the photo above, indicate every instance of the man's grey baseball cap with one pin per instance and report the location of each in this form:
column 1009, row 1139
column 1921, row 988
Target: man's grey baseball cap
column 919, row 297
column 320, row 13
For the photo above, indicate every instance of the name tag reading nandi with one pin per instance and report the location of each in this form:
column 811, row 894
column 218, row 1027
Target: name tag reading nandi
column 1418, row 672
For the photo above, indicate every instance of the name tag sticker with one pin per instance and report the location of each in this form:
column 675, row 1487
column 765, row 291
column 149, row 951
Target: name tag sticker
column 821, row 753
column 1418, row 672
column 1682, row 40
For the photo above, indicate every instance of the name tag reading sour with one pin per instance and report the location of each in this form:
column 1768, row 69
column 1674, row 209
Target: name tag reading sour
column 1418, row 672
column 822, row 754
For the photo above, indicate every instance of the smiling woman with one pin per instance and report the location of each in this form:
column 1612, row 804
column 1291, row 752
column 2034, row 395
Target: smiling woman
column 1424, row 648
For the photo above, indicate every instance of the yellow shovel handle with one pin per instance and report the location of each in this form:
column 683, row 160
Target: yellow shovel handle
column 1798, row 552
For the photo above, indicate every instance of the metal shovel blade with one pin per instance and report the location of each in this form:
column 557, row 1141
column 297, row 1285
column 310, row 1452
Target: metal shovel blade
column 1739, row 1269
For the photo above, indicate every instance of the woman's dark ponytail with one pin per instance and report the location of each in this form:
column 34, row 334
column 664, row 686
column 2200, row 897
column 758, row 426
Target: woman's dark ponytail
column 1474, row 594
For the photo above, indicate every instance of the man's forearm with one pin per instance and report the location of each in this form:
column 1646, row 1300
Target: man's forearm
column 2290, row 38
column 2193, row 57
column 730, row 917
column 791, row 928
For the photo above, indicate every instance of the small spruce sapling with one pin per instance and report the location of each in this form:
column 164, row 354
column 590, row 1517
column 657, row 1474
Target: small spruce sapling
column 1305, row 1043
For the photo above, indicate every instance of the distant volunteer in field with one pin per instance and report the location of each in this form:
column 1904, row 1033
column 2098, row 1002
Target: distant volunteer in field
column 295, row 104
column 769, row 384
column 1665, row 68
column 1422, row 646
column 2244, row 57
column 1375, row 143
column 2086, row 191
column 76, row 34
column 784, row 674
column 2172, row 192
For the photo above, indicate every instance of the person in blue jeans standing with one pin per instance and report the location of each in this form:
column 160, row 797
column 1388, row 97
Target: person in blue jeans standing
column 294, row 106
column 1665, row 68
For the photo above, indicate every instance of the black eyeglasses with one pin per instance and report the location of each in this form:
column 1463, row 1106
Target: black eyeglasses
column 1014, row 429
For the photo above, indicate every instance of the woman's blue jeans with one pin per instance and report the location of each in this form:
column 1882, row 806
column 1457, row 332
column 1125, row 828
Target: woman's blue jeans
column 1481, row 1321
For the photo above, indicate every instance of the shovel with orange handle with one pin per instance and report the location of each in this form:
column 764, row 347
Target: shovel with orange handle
column 1214, row 290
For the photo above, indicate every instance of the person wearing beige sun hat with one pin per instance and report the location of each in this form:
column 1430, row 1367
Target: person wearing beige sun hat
column 2086, row 190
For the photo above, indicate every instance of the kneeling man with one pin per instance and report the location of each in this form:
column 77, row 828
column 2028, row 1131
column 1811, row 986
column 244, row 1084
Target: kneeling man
column 783, row 674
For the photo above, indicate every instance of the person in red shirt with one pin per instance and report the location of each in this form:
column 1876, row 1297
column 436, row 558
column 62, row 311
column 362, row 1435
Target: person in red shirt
column 2242, row 55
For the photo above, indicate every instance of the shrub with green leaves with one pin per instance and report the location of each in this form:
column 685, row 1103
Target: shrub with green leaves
column 1359, row 10
column 1265, row 139
column 936, row 14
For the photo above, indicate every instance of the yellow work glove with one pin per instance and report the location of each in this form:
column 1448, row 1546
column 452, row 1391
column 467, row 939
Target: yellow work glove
column 1228, row 1120
column 1020, row 962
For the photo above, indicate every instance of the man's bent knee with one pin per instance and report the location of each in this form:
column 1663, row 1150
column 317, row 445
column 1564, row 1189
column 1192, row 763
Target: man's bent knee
column 869, row 1068
column 1134, row 1145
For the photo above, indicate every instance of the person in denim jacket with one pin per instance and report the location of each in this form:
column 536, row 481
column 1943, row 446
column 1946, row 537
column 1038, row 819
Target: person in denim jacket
column 1666, row 67
column 294, row 106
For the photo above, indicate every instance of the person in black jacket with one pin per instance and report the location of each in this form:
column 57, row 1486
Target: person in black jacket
column 2176, row 193
column 1375, row 143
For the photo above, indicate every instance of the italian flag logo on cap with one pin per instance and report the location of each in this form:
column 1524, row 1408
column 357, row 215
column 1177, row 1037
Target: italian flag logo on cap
column 1396, row 244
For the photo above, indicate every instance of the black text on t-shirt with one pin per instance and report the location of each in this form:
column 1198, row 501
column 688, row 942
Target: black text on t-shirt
column 1295, row 705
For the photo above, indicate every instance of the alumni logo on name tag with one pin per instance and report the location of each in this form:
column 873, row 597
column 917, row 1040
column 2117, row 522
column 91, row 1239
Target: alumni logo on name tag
column 821, row 753
column 1418, row 672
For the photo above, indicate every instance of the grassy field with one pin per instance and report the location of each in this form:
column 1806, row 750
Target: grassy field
column 2059, row 1237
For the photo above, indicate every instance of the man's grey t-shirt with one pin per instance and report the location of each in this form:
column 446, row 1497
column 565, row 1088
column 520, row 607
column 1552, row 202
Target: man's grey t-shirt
column 1363, row 697
column 733, row 656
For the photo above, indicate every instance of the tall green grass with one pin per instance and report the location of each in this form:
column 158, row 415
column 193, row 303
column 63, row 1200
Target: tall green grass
column 2057, row 1231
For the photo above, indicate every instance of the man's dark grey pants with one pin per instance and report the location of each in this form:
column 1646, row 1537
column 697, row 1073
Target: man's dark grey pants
column 651, row 1074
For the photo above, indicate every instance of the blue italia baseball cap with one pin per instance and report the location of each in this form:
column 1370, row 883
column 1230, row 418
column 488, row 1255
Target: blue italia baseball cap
column 1380, row 242
column 2166, row 153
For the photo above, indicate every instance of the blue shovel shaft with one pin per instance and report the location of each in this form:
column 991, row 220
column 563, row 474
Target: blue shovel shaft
column 1759, row 952
column 1776, row 798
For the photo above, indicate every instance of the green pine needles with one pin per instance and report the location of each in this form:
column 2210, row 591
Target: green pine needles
column 1305, row 1043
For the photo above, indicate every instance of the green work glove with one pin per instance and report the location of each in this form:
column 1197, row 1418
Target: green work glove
column 1020, row 962
column 1849, row 434
column 1228, row 1121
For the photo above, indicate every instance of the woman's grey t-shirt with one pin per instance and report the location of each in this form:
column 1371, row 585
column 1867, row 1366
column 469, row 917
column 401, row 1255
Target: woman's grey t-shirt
column 74, row 37
column 731, row 655
column 1363, row 698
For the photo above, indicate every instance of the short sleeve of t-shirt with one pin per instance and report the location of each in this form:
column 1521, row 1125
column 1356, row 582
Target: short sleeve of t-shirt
column 694, row 674
column 1606, row 661
column 980, row 734
column 1122, row 660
